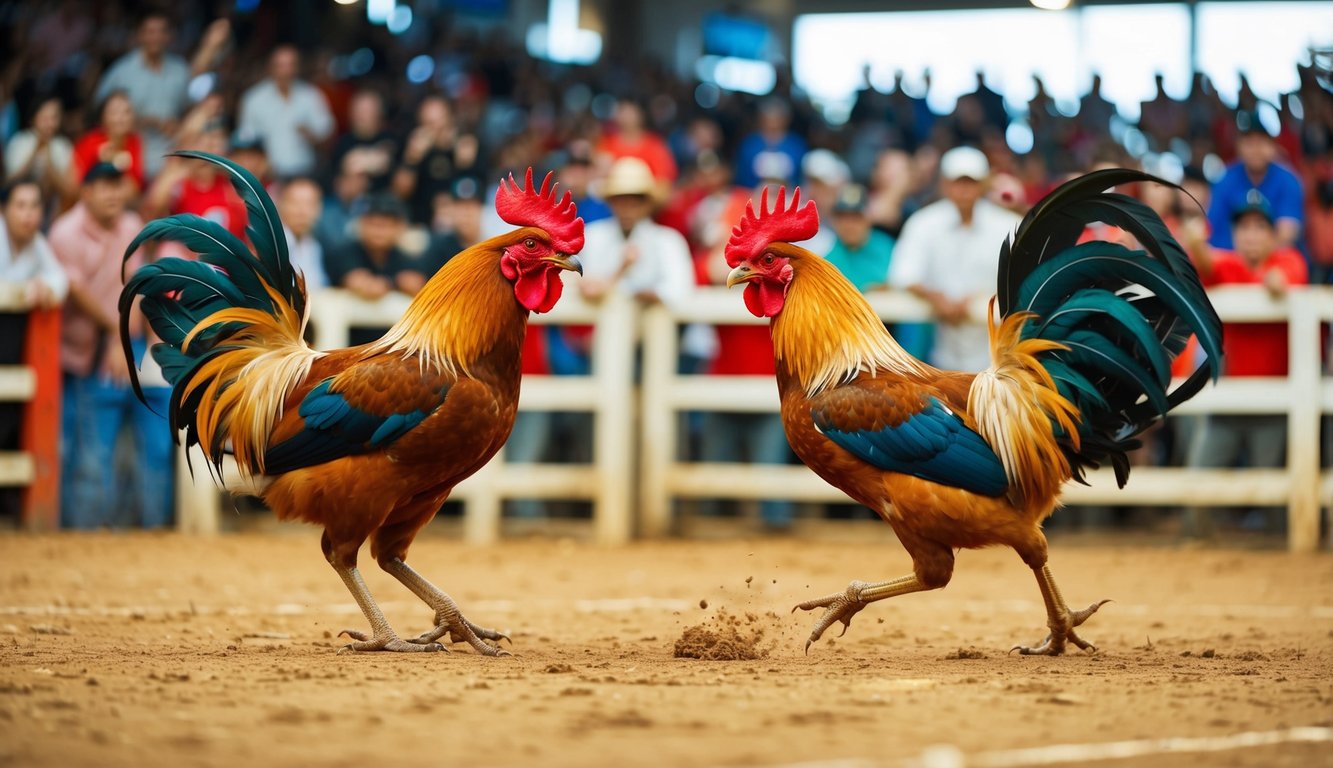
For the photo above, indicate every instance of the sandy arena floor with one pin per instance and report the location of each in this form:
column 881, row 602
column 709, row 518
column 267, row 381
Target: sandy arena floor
column 148, row 650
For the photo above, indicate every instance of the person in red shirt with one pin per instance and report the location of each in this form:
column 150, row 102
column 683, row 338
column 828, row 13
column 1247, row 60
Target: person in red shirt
column 191, row 186
column 113, row 141
column 630, row 137
column 1251, row 349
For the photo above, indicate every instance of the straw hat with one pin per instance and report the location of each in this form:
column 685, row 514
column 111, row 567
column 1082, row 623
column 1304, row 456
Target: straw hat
column 629, row 176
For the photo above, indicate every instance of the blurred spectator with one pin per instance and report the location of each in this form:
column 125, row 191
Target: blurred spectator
column 991, row 102
column 199, row 188
column 290, row 116
column 29, row 271
column 1006, row 191
column 630, row 137
column 156, row 83
column 861, row 252
column 373, row 264
column 337, row 223
column 367, row 147
column 1251, row 349
column 299, row 206
column 630, row 252
column 772, row 151
column 466, row 212
column 90, row 241
column 1095, row 111
column 890, row 184
column 113, row 141
column 1256, row 170
column 251, row 153
column 27, row 266
column 948, row 253
column 433, row 154
column 825, row 175
column 1163, row 118
column 41, row 153
column 575, row 174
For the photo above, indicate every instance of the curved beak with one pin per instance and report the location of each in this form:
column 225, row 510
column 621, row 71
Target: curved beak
column 566, row 261
column 741, row 274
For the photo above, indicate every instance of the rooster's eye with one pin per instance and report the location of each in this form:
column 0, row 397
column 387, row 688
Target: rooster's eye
column 768, row 258
column 530, row 244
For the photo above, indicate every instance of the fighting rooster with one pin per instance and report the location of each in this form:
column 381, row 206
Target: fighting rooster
column 366, row 441
column 1081, row 360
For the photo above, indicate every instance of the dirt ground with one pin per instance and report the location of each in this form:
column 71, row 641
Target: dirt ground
column 147, row 650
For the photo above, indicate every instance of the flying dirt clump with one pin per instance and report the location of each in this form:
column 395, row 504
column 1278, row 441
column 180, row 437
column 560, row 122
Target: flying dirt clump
column 726, row 638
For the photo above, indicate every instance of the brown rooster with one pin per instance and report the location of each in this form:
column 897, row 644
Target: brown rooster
column 1080, row 365
column 368, row 441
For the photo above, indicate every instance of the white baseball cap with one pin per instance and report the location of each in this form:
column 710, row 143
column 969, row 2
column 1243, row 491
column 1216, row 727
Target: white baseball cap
column 964, row 162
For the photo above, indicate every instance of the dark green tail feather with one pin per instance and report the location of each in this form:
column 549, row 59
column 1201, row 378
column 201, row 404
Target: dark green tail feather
column 179, row 294
column 1124, row 314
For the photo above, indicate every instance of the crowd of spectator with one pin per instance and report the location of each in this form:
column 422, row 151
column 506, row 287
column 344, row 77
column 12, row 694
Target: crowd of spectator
column 380, row 181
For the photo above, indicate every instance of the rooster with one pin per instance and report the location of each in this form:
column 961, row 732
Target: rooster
column 1081, row 359
column 366, row 441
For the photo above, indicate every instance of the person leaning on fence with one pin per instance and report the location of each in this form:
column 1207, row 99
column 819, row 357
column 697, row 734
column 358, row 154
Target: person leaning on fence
column 30, row 277
column 1251, row 349
column 90, row 241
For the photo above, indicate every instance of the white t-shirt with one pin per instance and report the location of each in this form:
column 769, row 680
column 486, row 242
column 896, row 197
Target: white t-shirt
column 663, row 266
column 937, row 252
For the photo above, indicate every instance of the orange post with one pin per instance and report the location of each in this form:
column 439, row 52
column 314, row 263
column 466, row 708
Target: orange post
column 41, row 421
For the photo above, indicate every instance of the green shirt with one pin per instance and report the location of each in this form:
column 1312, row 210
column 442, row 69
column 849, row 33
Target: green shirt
column 866, row 266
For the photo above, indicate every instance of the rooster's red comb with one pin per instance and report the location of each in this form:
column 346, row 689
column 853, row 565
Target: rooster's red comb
column 781, row 225
column 526, row 206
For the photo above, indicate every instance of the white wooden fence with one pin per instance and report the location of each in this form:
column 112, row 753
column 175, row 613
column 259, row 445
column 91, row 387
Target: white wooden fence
column 621, row 427
column 607, row 394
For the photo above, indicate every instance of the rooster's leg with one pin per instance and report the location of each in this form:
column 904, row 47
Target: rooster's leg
column 1059, row 618
column 382, row 637
column 842, row 606
column 448, row 619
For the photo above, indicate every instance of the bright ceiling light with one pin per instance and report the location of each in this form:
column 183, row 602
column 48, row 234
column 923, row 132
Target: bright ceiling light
column 344, row 2
column 1050, row 5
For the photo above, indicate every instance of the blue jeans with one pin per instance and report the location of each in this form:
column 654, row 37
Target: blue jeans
column 95, row 410
column 757, row 438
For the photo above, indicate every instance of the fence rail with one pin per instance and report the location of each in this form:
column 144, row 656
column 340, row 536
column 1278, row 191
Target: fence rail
column 622, row 425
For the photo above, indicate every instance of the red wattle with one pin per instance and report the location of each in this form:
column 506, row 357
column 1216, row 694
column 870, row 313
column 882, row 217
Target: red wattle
column 764, row 299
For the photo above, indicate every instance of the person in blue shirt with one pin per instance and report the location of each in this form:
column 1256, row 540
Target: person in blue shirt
column 773, row 151
column 1256, row 169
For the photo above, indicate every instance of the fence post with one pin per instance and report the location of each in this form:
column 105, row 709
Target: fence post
column 40, row 437
column 613, row 423
column 1303, row 423
column 482, row 509
column 658, row 440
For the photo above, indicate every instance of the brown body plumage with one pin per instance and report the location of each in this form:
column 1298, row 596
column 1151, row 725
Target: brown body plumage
column 1080, row 360
column 366, row 442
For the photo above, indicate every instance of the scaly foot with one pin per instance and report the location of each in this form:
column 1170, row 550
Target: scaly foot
column 840, row 606
column 362, row 643
column 1062, row 631
column 449, row 621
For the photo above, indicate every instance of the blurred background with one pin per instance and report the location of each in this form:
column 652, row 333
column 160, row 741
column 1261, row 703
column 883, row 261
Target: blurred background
column 382, row 126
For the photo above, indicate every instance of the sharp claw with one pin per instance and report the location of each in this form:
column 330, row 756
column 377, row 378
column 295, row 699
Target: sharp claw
column 355, row 635
column 808, row 643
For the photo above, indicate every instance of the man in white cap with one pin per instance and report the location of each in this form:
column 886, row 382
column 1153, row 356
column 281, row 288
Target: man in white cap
column 948, row 254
